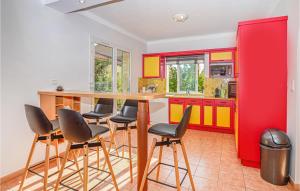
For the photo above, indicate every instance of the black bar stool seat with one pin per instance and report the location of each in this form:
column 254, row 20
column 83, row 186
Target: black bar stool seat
column 103, row 108
column 122, row 119
column 97, row 130
column 164, row 129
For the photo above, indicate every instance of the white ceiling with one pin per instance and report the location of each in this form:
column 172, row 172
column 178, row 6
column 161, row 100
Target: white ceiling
column 152, row 19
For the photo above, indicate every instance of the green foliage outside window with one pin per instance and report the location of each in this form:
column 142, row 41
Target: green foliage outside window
column 172, row 79
column 103, row 75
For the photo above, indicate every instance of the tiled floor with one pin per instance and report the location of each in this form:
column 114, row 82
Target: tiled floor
column 213, row 161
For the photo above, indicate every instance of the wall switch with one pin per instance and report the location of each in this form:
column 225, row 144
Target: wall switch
column 293, row 86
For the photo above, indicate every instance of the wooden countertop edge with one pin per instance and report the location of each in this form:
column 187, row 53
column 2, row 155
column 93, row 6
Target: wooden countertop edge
column 137, row 96
column 198, row 97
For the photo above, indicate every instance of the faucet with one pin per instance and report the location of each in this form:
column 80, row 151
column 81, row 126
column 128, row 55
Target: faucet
column 188, row 90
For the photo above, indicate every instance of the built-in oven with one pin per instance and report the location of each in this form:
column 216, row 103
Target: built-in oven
column 221, row 70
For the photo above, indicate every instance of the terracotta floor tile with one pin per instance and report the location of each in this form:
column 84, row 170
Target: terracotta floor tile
column 212, row 157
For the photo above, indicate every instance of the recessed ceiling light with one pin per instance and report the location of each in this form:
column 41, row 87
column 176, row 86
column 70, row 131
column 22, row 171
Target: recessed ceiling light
column 180, row 17
column 81, row 1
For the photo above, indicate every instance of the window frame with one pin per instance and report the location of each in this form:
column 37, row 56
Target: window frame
column 178, row 78
column 95, row 40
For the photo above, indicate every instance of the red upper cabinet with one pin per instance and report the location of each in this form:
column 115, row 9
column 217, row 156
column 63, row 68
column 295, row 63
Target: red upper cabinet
column 153, row 66
column 262, row 83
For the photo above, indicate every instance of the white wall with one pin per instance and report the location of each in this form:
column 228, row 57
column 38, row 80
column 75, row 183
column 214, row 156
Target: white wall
column 221, row 40
column 291, row 8
column 40, row 44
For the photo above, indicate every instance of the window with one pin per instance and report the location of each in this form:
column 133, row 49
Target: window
column 111, row 70
column 185, row 74
column 103, row 68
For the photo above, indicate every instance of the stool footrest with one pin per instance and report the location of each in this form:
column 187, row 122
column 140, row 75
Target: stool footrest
column 162, row 183
column 69, row 176
column 30, row 169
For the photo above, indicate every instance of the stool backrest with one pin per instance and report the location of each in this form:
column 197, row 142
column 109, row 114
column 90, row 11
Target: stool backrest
column 181, row 128
column 104, row 106
column 37, row 120
column 130, row 108
column 73, row 126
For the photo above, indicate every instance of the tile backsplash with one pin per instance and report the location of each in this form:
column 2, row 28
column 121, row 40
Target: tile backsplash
column 156, row 84
column 210, row 85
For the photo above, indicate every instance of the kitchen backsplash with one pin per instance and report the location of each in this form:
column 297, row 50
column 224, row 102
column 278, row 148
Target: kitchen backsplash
column 210, row 85
column 157, row 85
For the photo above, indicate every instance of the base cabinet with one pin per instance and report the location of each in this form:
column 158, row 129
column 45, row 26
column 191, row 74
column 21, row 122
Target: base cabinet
column 207, row 114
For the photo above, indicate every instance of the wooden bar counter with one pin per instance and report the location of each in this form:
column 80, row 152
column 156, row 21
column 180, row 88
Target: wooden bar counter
column 51, row 101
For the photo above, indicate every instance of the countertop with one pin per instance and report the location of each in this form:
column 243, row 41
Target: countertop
column 199, row 96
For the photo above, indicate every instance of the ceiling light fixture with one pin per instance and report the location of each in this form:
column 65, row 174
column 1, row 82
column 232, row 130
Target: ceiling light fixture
column 180, row 17
column 81, row 1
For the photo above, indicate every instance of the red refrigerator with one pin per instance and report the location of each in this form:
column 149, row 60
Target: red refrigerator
column 262, row 83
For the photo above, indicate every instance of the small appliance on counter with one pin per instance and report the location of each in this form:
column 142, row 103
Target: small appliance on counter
column 232, row 89
column 217, row 92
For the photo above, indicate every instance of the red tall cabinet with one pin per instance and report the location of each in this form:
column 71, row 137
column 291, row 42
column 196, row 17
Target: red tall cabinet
column 262, row 83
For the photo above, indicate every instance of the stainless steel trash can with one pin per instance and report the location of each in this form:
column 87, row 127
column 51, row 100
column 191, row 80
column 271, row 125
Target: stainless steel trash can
column 275, row 151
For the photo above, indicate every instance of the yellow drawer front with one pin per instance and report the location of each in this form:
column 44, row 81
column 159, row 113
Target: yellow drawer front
column 223, row 117
column 151, row 66
column 176, row 112
column 221, row 56
column 208, row 115
column 195, row 115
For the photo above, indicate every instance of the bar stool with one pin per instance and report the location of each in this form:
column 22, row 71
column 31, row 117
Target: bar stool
column 81, row 135
column 170, row 135
column 46, row 132
column 127, row 115
column 103, row 108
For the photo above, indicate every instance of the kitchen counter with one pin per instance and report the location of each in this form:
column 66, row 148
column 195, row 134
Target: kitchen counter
column 200, row 96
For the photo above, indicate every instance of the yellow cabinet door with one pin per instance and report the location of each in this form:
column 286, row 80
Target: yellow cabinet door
column 221, row 56
column 195, row 115
column 151, row 66
column 176, row 112
column 223, row 116
column 208, row 115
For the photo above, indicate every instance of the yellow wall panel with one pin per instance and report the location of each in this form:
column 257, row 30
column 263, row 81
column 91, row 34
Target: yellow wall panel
column 176, row 112
column 208, row 115
column 151, row 66
column 221, row 55
column 223, row 117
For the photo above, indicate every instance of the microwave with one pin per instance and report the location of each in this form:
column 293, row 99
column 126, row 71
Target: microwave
column 221, row 70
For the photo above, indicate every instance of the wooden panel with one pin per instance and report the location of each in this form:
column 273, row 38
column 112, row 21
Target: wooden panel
column 151, row 66
column 223, row 117
column 208, row 115
column 176, row 112
column 47, row 104
column 221, row 56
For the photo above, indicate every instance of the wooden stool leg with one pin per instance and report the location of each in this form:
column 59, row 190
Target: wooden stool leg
column 106, row 155
column 28, row 161
column 85, row 167
column 98, row 158
column 123, row 146
column 77, row 165
column 130, row 157
column 48, row 142
column 57, row 154
column 159, row 160
column 187, row 165
column 176, row 166
column 148, row 164
column 63, row 166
